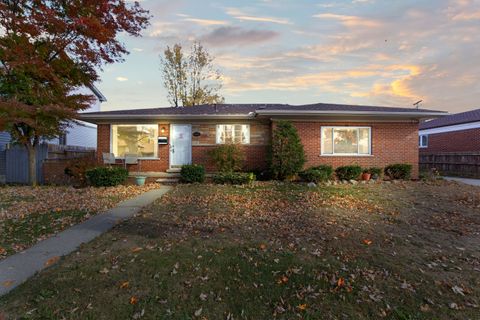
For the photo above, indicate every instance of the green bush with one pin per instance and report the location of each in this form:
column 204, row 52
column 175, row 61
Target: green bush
column 375, row 171
column 398, row 171
column 348, row 172
column 317, row 174
column 192, row 173
column 106, row 176
column 287, row 156
column 234, row 178
column 227, row 157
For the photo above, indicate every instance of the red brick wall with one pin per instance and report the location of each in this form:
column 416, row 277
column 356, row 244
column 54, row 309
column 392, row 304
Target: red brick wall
column 255, row 153
column 391, row 143
column 456, row 141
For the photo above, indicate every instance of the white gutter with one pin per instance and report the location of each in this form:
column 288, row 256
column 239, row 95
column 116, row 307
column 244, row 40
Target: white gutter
column 101, row 117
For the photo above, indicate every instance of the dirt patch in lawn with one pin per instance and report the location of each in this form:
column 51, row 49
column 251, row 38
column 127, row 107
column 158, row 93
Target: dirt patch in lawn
column 276, row 251
column 28, row 214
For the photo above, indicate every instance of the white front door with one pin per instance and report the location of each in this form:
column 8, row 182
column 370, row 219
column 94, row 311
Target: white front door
column 180, row 145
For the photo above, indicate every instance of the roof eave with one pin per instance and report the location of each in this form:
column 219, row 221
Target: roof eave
column 100, row 118
column 333, row 113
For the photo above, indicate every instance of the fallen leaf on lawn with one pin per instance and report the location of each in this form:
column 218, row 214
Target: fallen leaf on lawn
column 203, row 296
column 458, row 290
column 51, row 261
column 283, row 279
column 104, row 271
column 124, row 285
column 367, row 242
column 2, row 251
column 302, row 307
column 425, row 308
column 340, row 282
column 453, row 305
column 133, row 300
column 263, row 246
column 8, row 283
column 137, row 249
column 198, row 312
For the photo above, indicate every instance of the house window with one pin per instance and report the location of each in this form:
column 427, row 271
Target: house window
column 423, row 141
column 233, row 133
column 346, row 141
column 62, row 139
column 139, row 139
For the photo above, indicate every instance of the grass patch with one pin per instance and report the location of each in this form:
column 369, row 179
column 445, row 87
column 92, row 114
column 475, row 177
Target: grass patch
column 17, row 234
column 274, row 251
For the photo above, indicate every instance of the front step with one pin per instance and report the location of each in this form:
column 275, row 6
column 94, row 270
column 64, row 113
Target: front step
column 174, row 170
column 167, row 180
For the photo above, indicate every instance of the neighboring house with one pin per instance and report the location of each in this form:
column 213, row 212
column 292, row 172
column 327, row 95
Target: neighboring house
column 167, row 138
column 80, row 133
column 454, row 133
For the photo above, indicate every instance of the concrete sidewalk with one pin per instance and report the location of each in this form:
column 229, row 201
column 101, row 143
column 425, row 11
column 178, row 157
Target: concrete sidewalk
column 472, row 182
column 16, row 269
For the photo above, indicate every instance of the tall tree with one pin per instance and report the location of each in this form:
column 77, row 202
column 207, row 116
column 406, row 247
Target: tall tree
column 191, row 79
column 49, row 49
column 174, row 68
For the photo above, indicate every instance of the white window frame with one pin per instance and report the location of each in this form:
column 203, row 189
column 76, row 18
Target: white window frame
column 420, row 141
column 155, row 157
column 218, row 134
column 369, row 154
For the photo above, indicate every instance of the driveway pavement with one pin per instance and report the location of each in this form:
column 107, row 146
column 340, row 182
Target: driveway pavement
column 473, row 182
column 17, row 268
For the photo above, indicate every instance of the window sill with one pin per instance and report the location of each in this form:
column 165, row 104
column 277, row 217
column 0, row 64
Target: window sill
column 347, row 155
column 146, row 158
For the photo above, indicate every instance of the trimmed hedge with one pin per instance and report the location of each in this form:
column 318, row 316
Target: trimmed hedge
column 234, row 178
column 192, row 173
column 106, row 176
column 317, row 174
column 375, row 170
column 348, row 172
column 400, row 171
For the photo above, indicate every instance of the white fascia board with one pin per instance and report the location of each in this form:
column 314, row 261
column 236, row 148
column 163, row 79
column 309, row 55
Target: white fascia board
column 452, row 128
column 103, row 118
column 343, row 113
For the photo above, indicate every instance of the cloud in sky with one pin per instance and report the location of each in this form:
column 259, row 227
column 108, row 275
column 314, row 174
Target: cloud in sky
column 237, row 36
column 355, row 51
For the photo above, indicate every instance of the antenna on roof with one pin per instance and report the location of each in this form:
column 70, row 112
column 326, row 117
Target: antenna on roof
column 416, row 104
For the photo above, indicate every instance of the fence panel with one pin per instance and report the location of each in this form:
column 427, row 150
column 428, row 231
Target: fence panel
column 17, row 163
column 463, row 164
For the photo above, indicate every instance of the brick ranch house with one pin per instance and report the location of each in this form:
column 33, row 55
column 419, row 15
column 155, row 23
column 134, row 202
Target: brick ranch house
column 167, row 138
column 458, row 132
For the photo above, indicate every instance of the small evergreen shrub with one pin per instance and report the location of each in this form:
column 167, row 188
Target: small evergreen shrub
column 227, row 157
column 400, row 171
column 106, row 176
column 348, row 172
column 375, row 172
column 317, row 174
column 234, row 178
column 287, row 156
column 192, row 173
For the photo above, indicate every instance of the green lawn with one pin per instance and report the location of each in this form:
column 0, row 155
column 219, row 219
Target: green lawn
column 281, row 251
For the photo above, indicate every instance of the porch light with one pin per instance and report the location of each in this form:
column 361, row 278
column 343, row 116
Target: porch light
column 162, row 129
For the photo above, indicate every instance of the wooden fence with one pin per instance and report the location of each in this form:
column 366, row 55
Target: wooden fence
column 462, row 164
column 17, row 160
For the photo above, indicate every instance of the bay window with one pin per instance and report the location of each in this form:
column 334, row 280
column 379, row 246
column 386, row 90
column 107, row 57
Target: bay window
column 233, row 133
column 139, row 139
column 346, row 141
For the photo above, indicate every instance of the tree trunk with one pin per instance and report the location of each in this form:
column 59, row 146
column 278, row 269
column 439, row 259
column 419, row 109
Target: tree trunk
column 32, row 165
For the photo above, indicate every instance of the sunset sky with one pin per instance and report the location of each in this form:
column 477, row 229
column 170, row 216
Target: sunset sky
column 374, row 52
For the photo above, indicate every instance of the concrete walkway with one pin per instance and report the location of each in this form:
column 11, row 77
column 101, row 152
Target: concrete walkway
column 473, row 182
column 16, row 269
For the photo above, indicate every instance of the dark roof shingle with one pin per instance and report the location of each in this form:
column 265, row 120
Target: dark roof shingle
column 245, row 109
column 458, row 118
